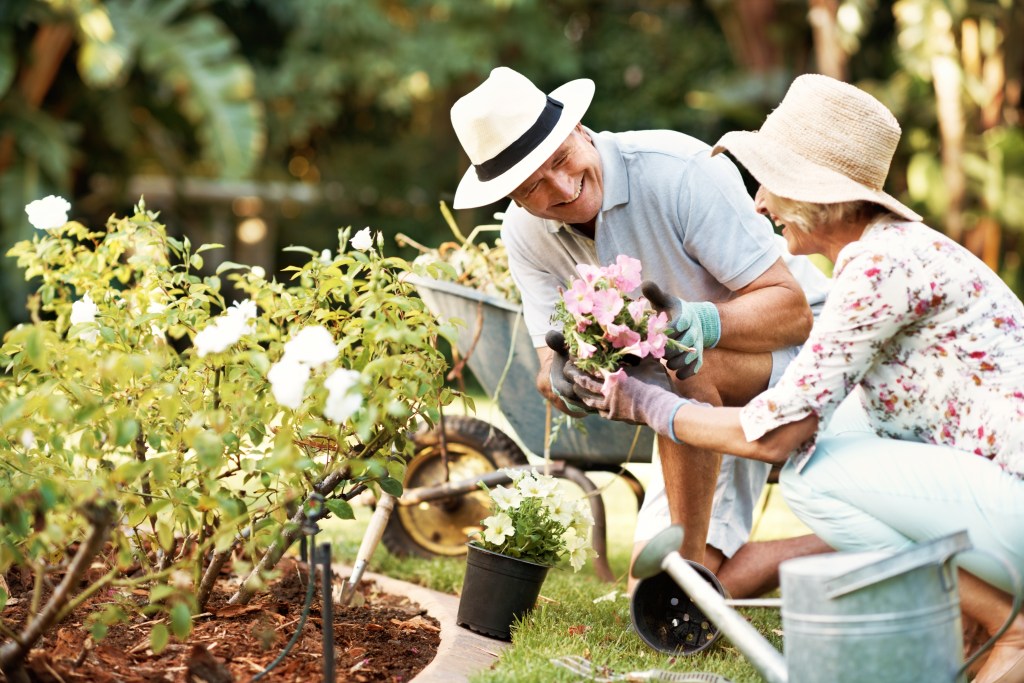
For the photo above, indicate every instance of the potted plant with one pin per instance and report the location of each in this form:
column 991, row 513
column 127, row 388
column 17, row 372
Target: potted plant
column 535, row 525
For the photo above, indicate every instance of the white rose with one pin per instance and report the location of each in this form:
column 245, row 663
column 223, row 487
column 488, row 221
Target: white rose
column 246, row 309
column 362, row 240
column 342, row 402
column 258, row 271
column 84, row 311
column 220, row 333
column 48, row 213
column 288, row 382
column 312, row 345
column 325, row 257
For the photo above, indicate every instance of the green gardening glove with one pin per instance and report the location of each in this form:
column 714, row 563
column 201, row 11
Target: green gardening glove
column 694, row 324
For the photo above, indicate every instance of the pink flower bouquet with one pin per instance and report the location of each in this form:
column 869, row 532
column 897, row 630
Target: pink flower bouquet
column 602, row 324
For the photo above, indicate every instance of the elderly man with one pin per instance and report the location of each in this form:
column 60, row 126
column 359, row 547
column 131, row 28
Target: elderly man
column 584, row 197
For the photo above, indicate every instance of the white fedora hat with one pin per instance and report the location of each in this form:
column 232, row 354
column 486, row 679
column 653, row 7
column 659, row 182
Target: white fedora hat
column 826, row 142
column 509, row 128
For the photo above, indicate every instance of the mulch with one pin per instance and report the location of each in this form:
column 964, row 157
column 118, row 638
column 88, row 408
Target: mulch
column 385, row 638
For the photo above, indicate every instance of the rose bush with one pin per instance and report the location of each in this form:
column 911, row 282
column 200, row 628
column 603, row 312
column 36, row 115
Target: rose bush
column 161, row 430
column 536, row 520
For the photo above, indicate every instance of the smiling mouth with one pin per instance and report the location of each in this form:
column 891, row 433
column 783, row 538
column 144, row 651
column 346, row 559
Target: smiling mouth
column 579, row 191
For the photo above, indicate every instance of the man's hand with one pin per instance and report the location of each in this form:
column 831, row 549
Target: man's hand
column 562, row 386
column 623, row 397
column 694, row 324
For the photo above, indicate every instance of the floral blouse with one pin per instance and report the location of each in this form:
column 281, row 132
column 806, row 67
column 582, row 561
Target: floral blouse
column 932, row 335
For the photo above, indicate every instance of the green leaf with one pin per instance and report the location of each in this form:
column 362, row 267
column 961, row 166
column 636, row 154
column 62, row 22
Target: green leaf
column 126, row 431
column 3, row 599
column 229, row 265
column 392, row 486
column 158, row 638
column 340, row 508
column 181, row 620
column 159, row 592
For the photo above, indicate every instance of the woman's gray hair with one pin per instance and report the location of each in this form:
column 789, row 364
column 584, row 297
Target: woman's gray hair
column 807, row 217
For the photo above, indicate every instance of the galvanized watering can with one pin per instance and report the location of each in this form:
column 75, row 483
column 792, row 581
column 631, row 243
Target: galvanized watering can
column 847, row 617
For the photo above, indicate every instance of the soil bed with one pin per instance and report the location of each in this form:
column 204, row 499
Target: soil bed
column 388, row 638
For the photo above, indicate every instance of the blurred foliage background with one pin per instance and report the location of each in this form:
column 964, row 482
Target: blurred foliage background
column 262, row 123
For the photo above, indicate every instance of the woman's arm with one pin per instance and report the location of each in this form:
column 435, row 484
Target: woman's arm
column 719, row 430
column 625, row 398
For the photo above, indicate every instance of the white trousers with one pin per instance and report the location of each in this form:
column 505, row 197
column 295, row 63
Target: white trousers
column 860, row 491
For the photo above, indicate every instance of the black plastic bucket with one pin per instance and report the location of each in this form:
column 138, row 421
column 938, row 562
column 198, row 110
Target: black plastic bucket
column 666, row 619
column 497, row 591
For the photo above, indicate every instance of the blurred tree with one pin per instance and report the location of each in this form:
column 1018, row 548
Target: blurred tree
column 279, row 122
column 158, row 83
column 966, row 166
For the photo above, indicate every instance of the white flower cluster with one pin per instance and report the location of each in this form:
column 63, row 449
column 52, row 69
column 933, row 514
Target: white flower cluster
column 574, row 516
column 311, row 348
column 226, row 329
column 48, row 213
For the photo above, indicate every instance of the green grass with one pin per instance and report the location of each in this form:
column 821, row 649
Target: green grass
column 566, row 619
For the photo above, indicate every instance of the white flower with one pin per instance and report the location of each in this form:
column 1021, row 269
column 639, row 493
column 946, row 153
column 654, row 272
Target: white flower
column 362, row 240
column 155, row 308
column 48, row 213
column 575, row 547
column 312, row 345
column 561, row 510
column 258, row 271
column 342, row 402
column 288, row 382
column 506, row 498
column 583, row 517
column 220, row 333
column 497, row 528
column 245, row 309
column 325, row 257
column 84, row 311
column 27, row 439
column 533, row 487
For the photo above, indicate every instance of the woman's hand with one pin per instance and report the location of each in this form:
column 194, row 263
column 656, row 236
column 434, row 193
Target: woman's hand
column 621, row 396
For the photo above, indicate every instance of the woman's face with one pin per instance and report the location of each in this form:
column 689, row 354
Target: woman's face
column 797, row 241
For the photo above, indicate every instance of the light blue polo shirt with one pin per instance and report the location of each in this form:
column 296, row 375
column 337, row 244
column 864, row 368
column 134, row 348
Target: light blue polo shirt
column 684, row 214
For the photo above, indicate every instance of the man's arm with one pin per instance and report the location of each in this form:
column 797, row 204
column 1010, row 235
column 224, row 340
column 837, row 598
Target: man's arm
column 768, row 314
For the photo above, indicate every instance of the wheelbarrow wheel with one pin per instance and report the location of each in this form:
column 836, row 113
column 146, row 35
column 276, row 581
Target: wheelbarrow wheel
column 441, row 527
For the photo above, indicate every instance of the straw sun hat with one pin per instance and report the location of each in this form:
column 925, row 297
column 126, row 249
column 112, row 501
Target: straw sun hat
column 827, row 142
column 509, row 128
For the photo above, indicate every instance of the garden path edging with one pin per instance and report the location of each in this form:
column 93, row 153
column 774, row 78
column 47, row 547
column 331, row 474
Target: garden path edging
column 461, row 652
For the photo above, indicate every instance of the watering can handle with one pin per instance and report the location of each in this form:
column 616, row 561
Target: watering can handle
column 936, row 551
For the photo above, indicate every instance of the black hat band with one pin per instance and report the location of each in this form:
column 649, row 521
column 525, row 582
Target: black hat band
column 527, row 142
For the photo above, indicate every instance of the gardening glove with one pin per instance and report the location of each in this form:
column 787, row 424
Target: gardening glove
column 560, row 385
column 694, row 324
column 623, row 397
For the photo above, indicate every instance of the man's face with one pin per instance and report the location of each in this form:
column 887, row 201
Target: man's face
column 568, row 186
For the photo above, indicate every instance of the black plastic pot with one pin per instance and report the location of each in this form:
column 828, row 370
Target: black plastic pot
column 497, row 591
column 666, row 619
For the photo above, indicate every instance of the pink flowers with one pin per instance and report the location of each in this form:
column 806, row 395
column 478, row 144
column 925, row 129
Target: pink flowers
column 602, row 324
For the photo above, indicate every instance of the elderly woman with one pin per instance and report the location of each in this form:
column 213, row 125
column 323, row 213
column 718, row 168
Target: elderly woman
column 925, row 340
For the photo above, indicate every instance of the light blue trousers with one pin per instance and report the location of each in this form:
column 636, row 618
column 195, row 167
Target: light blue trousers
column 860, row 491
